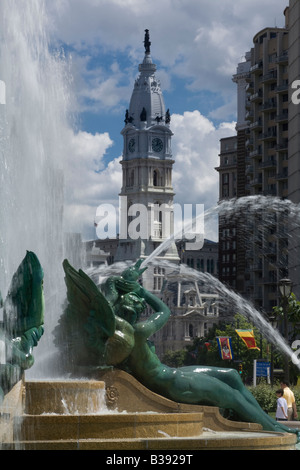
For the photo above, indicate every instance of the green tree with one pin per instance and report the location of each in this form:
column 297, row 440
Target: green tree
column 293, row 314
column 293, row 318
column 175, row 358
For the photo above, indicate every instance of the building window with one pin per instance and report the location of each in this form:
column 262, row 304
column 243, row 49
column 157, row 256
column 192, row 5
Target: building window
column 131, row 178
column 158, row 278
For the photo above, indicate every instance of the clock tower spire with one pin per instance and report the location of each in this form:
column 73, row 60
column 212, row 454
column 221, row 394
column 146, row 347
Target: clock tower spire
column 146, row 198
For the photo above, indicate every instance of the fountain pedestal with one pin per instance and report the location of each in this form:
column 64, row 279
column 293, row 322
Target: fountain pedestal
column 78, row 397
column 151, row 422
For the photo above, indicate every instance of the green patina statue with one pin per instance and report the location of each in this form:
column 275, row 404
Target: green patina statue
column 111, row 334
column 23, row 318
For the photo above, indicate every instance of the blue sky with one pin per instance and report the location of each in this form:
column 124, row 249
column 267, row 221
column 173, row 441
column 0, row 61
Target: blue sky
column 196, row 45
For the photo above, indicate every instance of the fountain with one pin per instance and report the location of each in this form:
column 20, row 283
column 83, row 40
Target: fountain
column 33, row 122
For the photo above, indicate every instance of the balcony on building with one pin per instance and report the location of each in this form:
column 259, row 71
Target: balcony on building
column 256, row 96
column 256, row 152
column 249, row 169
column 269, row 105
column 270, row 163
column 271, row 134
column 282, row 146
column 256, row 124
column 257, row 266
column 250, row 86
column 270, row 250
column 249, row 116
column 269, row 77
column 282, row 117
column 270, row 192
column 283, row 88
column 282, row 176
column 256, row 68
column 256, row 181
column 283, row 58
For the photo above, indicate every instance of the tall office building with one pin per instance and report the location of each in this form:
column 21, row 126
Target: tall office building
column 227, row 228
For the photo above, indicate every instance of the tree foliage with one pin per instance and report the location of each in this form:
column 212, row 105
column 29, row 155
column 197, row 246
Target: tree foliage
column 293, row 314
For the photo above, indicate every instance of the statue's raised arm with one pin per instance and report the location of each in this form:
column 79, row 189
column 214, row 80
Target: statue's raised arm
column 157, row 320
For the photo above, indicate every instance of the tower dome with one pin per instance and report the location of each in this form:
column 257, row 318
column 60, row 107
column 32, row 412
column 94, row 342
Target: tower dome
column 147, row 105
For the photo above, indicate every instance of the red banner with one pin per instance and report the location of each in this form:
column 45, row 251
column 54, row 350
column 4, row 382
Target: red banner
column 225, row 348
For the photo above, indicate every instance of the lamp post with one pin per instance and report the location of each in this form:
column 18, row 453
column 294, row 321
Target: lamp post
column 274, row 326
column 285, row 287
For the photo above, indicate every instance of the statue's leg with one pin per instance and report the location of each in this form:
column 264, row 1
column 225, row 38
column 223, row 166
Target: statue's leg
column 225, row 389
column 233, row 379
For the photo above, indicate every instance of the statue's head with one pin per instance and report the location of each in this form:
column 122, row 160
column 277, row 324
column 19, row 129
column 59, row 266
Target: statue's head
column 133, row 272
column 130, row 306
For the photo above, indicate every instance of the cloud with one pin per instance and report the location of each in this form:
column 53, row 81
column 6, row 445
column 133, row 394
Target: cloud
column 195, row 149
column 200, row 41
column 88, row 180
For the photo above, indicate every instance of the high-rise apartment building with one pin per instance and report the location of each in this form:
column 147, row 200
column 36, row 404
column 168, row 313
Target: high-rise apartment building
column 293, row 16
column 262, row 166
column 267, row 163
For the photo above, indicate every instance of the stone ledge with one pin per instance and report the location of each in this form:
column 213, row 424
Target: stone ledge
column 109, row 426
column 11, row 407
column 207, row 441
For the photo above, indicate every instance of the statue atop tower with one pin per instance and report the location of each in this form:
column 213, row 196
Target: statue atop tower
column 147, row 42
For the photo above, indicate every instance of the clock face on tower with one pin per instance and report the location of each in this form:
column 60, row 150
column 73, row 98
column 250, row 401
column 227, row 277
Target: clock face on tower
column 131, row 145
column 157, row 145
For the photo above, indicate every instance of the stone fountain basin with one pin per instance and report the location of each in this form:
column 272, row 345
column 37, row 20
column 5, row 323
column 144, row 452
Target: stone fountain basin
column 170, row 429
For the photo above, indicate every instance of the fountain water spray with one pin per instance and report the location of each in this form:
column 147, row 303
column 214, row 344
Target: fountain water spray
column 249, row 206
column 33, row 124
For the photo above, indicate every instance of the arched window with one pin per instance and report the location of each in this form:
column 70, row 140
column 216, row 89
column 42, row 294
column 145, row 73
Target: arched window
column 155, row 178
